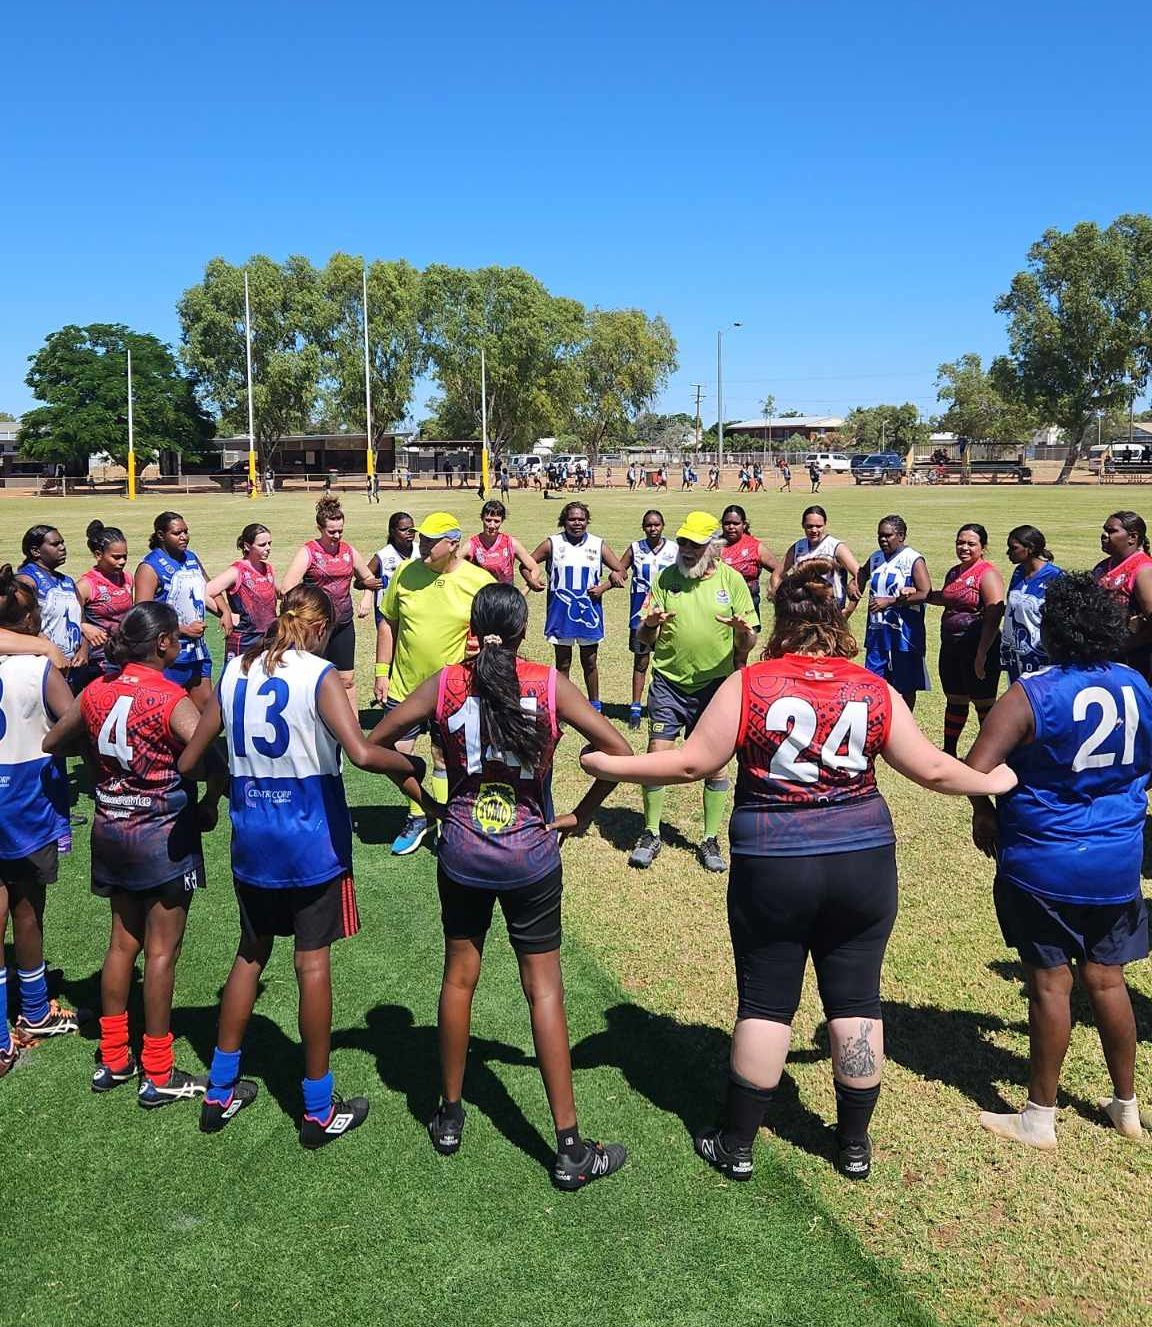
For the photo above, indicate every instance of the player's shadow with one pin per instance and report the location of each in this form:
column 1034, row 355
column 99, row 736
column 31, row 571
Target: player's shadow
column 621, row 827
column 83, row 995
column 1012, row 971
column 682, row 1069
column 378, row 824
column 616, row 710
column 408, row 1061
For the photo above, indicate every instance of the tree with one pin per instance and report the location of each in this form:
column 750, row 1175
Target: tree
column 81, row 375
column 670, row 433
column 625, row 359
column 530, row 340
column 1080, row 326
column 6, row 418
column 977, row 409
column 288, row 326
column 396, row 355
column 885, row 428
column 768, row 406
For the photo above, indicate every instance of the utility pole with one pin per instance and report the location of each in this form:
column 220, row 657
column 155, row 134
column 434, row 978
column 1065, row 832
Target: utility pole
column 699, row 397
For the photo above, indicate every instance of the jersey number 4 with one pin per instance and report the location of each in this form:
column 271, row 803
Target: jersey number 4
column 841, row 751
column 113, row 737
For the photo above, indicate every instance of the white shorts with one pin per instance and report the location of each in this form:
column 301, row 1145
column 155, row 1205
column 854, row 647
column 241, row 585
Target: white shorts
column 570, row 641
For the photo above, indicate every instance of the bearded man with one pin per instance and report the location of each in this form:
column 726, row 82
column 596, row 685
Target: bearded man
column 700, row 623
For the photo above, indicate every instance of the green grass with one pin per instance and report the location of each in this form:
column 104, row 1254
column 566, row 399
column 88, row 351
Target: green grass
column 952, row 1225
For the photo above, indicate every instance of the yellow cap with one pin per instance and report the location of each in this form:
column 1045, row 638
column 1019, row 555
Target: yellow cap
column 700, row 527
column 439, row 525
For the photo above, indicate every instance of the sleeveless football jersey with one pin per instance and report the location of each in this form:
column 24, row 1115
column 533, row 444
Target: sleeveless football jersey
column 390, row 560
column 59, row 606
column 332, row 572
column 1020, row 648
column 290, row 822
column 108, row 602
column 572, row 614
column 1121, row 582
column 500, row 560
column 1072, row 829
column 495, row 832
column 744, row 556
column 181, row 584
column 253, row 603
column 899, row 628
column 963, row 608
column 647, row 564
column 144, row 830
column 826, row 548
column 810, row 731
column 33, row 786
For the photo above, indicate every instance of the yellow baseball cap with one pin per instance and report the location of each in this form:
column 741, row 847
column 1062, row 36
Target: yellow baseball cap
column 439, row 525
column 700, row 527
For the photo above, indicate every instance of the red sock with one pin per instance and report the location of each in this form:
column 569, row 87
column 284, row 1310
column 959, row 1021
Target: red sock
column 114, row 1041
column 157, row 1057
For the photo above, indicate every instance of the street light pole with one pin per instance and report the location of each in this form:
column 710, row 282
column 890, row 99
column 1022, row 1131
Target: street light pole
column 371, row 450
column 253, row 489
column 131, row 437
column 720, row 396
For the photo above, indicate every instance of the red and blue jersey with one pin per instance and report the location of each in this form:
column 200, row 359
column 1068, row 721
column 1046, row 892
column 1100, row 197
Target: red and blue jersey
column 810, row 732
column 180, row 582
column 333, row 573
column 1073, row 828
column 497, row 558
column 33, row 786
column 252, row 601
column 495, row 833
column 108, row 602
column 144, row 830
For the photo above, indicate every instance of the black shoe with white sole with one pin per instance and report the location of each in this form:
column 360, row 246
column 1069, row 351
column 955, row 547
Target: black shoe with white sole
column 105, row 1079
column 734, row 1162
column 854, row 1159
column 342, row 1118
column 446, row 1131
column 180, row 1086
column 214, row 1115
column 598, row 1162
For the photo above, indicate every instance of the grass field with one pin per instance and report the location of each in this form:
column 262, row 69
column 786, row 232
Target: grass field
column 953, row 1226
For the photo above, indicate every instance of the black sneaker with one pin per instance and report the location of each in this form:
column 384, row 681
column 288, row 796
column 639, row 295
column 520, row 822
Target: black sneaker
column 105, row 1079
column 57, row 1022
column 180, row 1086
column 343, row 1118
column 214, row 1115
column 646, row 851
column 9, row 1057
column 446, row 1131
column 736, row 1164
column 598, row 1162
column 854, row 1160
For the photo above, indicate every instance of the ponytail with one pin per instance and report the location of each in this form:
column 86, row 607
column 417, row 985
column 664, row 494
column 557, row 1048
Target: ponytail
column 1032, row 539
column 306, row 616
column 499, row 617
column 134, row 640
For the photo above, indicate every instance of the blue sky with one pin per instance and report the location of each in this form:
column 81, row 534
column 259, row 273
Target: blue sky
column 854, row 184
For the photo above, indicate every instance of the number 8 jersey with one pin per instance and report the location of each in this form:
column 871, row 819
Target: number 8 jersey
column 290, row 821
column 810, row 731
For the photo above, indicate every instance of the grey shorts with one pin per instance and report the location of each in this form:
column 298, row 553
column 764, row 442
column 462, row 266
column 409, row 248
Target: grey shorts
column 672, row 709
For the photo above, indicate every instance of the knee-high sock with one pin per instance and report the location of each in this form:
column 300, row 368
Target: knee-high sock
column 955, row 717
column 854, row 1107
column 5, row 1035
column 653, row 808
column 745, row 1111
column 715, row 798
column 34, row 993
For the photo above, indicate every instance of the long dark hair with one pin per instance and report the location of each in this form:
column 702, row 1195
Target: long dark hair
column 19, row 606
column 1028, row 537
column 134, row 640
column 808, row 620
column 101, row 537
column 160, row 525
column 1083, row 623
column 499, row 616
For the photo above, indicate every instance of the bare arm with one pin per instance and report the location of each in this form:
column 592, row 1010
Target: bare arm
column 57, row 693
column 365, row 578
column 332, row 705
column 144, row 584
column 16, row 642
column 847, row 560
column 211, row 602
column 782, row 570
column 921, row 584
column 992, row 599
column 385, row 649
column 1010, row 723
column 542, row 554
column 573, row 709
column 68, row 736
column 910, row 753
column 295, row 573
column 769, row 561
column 204, row 733
column 221, row 584
column 415, row 708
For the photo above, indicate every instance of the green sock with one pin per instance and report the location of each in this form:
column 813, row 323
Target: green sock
column 439, row 783
column 653, row 808
column 415, row 809
column 714, row 802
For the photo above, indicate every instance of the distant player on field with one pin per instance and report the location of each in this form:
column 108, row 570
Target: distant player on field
column 646, row 558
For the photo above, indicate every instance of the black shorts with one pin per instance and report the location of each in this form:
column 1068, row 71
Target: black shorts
column 671, row 709
column 175, row 892
column 532, row 912
column 37, row 870
column 839, row 907
column 316, row 915
column 341, row 648
column 957, row 664
column 636, row 645
column 1048, row 933
column 409, row 734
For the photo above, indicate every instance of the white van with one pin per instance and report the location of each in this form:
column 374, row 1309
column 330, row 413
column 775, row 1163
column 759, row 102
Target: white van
column 1123, row 453
column 829, row 462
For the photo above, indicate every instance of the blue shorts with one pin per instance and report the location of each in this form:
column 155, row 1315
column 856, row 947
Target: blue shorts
column 672, row 709
column 903, row 670
column 187, row 672
column 1049, row 934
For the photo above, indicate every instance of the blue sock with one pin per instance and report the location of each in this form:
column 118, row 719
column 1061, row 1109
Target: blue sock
column 318, row 1096
column 596, row 706
column 34, row 993
column 222, row 1076
column 636, row 707
column 5, row 1038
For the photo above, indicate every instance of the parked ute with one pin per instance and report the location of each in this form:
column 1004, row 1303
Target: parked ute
column 880, row 468
column 829, row 462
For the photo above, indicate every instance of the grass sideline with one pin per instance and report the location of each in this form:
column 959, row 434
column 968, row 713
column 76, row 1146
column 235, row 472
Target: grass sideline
column 969, row 1222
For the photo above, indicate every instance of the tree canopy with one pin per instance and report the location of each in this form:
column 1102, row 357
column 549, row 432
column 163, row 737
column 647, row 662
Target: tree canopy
column 81, row 375
column 976, row 407
column 891, row 428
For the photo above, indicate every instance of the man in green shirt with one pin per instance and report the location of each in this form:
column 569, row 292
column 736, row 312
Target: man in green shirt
column 701, row 624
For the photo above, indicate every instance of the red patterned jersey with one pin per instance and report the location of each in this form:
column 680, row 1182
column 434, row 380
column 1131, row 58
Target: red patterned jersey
column 744, row 556
column 963, row 606
column 810, row 731
column 495, row 832
column 108, row 603
column 332, row 572
column 252, row 601
column 499, row 558
column 144, row 831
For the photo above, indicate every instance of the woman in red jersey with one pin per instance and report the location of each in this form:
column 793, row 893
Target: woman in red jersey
column 499, row 718
column 498, row 552
column 1127, row 572
column 330, row 563
column 146, row 852
column 743, row 552
column 105, row 596
column 813, row 853
column 249, row 585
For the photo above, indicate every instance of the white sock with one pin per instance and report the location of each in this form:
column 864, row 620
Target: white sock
column 1125, row 1115
column 1034, row 1125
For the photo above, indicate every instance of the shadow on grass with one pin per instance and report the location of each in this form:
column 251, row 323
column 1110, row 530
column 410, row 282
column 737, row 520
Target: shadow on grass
column 1013, row 971
column 621, row 827
column 408, row 1061
column 377, row 825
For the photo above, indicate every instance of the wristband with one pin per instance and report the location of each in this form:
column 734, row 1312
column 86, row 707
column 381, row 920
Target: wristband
column 383, row 669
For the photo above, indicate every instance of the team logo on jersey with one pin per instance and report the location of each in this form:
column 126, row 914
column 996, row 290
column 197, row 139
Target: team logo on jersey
column 495, row 807
column 723, row 597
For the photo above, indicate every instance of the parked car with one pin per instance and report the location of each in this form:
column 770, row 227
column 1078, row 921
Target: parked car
column 573, row 461
column 880, row 468
column 829, row 462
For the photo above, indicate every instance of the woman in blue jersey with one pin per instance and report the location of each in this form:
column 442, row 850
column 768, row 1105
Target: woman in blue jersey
column 33, row 817
column 576, row 559
column 1068, row 844
column 172, row 574
column 385, row 562
column 286, row 717
column 60, row 610
column 646, row 558
column 1034, row 570
column 897, row 583
column 499, row 718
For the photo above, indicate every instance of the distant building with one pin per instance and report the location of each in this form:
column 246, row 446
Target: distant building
column 782, row 428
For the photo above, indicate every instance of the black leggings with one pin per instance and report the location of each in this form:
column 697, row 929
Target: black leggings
column 839, row 907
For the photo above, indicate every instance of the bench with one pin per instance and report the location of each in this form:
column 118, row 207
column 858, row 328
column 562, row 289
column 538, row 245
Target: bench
column 992, row 471
column 1125, row 472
